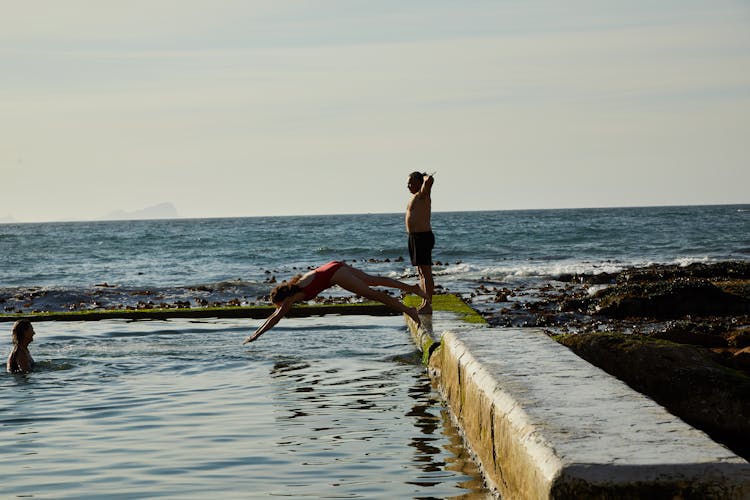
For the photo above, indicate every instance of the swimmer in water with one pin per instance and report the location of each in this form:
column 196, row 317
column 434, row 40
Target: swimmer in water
column 307, row 286
column 19, row 359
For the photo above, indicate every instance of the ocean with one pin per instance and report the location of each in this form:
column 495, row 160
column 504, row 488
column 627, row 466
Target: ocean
column 85, row 265
column 322, row 407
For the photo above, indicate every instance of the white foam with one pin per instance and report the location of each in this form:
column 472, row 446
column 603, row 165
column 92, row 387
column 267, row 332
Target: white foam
column 686, row 261
column 531, row 270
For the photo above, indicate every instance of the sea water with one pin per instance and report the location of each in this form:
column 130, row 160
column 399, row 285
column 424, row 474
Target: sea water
column 59, row 265
column 322, row 407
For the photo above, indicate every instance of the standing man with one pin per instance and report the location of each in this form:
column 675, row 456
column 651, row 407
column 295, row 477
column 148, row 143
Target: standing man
column 421, row 238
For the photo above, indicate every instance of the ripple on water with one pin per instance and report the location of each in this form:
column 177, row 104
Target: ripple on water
column 322, row 408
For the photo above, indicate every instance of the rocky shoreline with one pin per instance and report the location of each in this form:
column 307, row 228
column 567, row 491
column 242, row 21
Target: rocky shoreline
column 679, row 334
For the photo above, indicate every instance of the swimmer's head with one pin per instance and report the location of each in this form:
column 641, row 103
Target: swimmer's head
column 21, row 329
column 283, row 292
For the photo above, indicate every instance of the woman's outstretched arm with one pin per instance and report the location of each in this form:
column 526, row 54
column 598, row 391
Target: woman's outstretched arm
column 271, row 321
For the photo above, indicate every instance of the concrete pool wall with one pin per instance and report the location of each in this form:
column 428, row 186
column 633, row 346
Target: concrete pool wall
column 544, row 423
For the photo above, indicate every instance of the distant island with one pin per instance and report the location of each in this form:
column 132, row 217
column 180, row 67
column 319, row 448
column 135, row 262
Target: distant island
column 161, row 211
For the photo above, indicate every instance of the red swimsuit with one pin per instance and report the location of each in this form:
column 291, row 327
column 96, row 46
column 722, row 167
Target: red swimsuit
column 322, row 279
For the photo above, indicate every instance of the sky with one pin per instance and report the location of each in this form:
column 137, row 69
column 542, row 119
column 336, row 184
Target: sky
column 289, row 107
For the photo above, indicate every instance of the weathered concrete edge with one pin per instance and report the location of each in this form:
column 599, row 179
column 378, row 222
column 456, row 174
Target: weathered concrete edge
column 252, row 312
column 515, row 458
column 519, row 462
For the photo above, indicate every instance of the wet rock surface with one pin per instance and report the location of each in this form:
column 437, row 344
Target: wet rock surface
column 679, row 334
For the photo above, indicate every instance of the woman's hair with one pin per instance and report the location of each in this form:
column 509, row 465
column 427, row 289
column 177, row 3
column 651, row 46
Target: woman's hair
column 286, row 289
column 20, row 327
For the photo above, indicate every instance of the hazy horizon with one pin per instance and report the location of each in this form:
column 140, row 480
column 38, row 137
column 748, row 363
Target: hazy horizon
column 129, row 216
column 240, row 109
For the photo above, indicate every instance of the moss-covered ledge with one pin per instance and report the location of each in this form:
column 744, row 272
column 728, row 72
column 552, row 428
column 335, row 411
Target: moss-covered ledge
column 252, row 312
column 450, row 303
column 446, row 303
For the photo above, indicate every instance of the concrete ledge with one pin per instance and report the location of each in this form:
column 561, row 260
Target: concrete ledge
column 544, row 423
column 252, row 312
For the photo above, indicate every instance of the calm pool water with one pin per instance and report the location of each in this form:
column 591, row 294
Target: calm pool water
column 328, row 407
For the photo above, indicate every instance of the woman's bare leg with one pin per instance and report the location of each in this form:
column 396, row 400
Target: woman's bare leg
column 428, row 285
column 350, row 279
column 373, row 280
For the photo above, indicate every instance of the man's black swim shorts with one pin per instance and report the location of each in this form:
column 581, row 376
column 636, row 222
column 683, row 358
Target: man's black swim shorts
column 420, row 248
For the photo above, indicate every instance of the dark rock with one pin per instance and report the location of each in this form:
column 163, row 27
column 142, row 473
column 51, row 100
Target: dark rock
column 739, row 338
column 574, row 305
column 741, row 359
column 565, row 277
column 669, row 299
column 588, row 278
column 691, row 338
column 703, row 333
column 727, row 270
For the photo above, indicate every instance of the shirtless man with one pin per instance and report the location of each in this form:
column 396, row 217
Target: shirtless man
column 421, row 238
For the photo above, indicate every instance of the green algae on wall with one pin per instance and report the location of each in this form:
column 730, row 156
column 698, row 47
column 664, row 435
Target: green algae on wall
column 449, row 303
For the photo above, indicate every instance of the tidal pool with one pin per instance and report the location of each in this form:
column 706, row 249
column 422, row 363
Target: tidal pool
column 322, row 407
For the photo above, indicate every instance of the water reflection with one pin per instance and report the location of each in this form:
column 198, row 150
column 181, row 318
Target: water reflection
column 433, row 419
column 352, row 417
column 427, row 423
